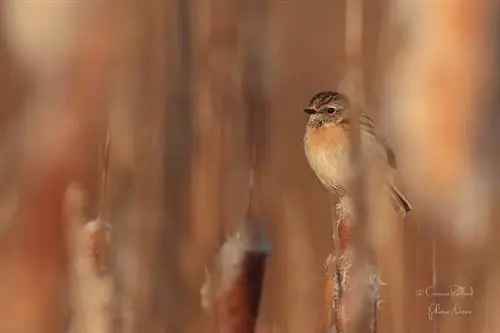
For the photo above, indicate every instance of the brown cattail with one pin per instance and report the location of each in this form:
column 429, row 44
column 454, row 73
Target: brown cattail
column 232, row 292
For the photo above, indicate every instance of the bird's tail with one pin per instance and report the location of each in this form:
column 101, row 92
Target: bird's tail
column 399, row 201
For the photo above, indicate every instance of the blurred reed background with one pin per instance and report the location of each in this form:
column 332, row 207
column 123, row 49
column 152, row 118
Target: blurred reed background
column 186, row 89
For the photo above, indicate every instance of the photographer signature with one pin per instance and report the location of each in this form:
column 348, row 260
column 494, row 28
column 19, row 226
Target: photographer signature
column 435, row 309
column 453, row 290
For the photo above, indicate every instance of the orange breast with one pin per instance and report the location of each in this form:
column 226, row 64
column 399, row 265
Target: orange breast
column 326, row 137
column 327, row 150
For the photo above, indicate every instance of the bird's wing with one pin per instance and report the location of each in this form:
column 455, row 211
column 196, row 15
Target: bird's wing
column 368, row 126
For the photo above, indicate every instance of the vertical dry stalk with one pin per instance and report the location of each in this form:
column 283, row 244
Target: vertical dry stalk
column 254, row 79
column 140, row 233
column 350, row 278
column 352, row 287
column 354, row 88
column 100, row 237
column 91, row 290
column 335, row 267
column 213, row 66
column 492, row 160
column 63, row 123
column 232, row 292
column 438, row 102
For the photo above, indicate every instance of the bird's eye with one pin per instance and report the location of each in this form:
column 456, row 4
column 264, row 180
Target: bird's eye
column 331, row 110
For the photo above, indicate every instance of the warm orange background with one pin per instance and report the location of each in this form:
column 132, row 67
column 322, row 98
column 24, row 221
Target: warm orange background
column 179, row 169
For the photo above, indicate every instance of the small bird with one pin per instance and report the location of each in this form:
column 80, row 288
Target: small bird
column 328, row 148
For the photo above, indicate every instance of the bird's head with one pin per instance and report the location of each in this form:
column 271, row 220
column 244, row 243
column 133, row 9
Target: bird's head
column 327, row 107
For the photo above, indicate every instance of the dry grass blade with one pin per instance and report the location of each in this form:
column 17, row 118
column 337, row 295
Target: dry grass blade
column 254, row 83
column 101, row 229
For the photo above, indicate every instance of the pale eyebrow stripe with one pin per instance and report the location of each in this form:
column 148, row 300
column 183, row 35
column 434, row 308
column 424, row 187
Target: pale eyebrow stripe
column 338, row 105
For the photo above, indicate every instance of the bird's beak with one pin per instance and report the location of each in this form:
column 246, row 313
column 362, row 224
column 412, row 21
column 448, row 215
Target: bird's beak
column 309, row 110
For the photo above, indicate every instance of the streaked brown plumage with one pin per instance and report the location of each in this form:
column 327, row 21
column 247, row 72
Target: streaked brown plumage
column 327, row 147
